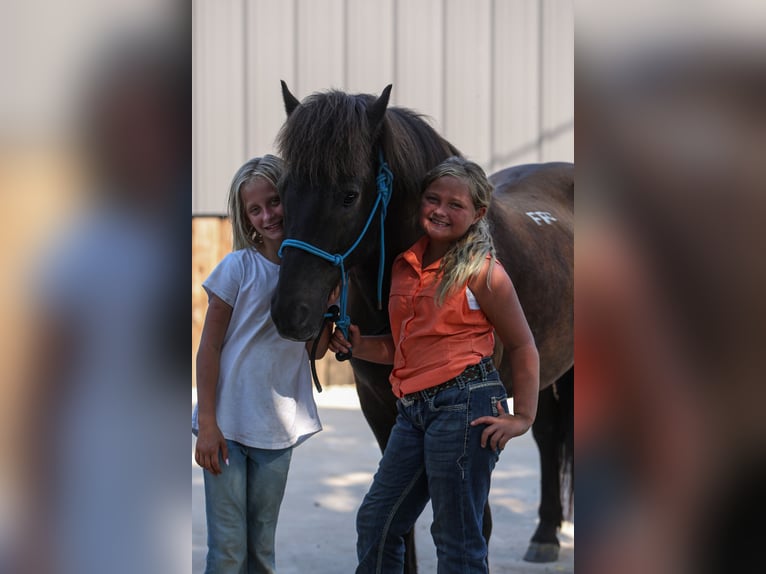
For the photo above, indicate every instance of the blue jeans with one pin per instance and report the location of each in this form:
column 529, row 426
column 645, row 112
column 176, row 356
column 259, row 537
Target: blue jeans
column 242, row 506
column 433, row 452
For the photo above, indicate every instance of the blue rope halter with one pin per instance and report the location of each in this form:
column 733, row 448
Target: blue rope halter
column 383, row 180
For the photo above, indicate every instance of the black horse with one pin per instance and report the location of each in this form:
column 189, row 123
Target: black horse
column 331, row 144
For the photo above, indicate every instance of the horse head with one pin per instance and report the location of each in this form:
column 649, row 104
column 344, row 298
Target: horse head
column 330, row 145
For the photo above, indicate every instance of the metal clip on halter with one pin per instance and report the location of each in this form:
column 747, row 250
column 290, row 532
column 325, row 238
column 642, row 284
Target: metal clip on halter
column 334, row 312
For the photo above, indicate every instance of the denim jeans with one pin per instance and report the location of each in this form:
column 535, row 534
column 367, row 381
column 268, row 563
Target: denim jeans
column 242, row 505
column 433, row 452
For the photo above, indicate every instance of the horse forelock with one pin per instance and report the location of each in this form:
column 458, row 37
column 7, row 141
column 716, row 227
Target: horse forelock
column 328, row 138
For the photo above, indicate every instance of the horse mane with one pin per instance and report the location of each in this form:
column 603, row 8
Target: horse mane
column 329, row 136
column 412, row 147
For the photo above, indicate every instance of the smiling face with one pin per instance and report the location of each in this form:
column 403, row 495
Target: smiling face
column 263, row 210
column 447, row 210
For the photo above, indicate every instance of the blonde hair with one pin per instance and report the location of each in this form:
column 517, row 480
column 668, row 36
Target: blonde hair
column 269, row 168
column 466, row 257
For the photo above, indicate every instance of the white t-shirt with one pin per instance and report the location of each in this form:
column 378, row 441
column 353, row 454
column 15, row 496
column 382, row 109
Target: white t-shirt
column 264, row 397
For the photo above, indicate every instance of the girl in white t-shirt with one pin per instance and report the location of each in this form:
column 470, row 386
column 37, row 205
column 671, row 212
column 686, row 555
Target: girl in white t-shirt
column 254, row 393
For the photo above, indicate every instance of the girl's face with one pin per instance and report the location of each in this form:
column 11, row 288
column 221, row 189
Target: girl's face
column 447, row 210
column 263, row 209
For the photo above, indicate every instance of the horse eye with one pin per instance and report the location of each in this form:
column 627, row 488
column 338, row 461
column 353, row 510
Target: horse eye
column 349, row 198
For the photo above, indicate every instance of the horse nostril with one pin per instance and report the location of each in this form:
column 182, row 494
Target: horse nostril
column 293, row 320
column 303, row 325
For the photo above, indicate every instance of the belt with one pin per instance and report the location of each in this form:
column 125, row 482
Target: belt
column 472, row 372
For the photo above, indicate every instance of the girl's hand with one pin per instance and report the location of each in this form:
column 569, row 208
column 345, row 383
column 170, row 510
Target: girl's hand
column 339, row 343
column 502, row 428
column 209, row 443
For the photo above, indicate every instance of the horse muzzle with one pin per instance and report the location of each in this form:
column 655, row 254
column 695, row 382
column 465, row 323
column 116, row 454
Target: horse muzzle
column 296, row 320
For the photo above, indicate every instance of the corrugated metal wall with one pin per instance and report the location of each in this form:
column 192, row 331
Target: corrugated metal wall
column 496, row 76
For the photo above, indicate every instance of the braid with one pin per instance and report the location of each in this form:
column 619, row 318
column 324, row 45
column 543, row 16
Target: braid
column 465, row 259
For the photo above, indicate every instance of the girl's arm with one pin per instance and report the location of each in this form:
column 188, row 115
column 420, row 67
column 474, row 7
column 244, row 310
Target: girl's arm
column 210, row 440
column 501, row 305
column 373, row 348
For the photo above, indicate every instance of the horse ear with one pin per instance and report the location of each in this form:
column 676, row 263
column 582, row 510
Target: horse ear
column 378, row 108
column 291, row 102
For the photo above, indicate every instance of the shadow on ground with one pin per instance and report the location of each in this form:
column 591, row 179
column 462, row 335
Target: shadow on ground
column 330, row 475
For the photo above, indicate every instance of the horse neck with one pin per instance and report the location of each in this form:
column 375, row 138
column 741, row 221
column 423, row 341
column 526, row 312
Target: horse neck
column 411, row 148
column 401, row 231
column 362, row 304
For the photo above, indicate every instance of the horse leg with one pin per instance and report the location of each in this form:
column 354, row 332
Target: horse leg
column 552, row 431
column 544, row 546
column 379, row 409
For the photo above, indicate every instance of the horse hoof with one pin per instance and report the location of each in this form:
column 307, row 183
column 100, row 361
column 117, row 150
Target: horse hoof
column 538, row 552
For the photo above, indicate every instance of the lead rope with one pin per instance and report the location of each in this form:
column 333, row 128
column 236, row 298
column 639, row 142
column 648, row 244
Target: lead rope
column 383, row 182
column 332, row 315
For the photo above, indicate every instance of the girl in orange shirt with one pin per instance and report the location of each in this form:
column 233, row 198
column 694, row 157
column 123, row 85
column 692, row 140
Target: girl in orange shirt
column 448, row 296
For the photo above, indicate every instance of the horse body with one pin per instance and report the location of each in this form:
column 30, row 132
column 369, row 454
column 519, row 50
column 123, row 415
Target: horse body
column 532, row 218
column 532, row 223
column 330, row 144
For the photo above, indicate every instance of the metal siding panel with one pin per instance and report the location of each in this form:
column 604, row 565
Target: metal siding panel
column 319, row 42
column 369, row 46
column 558, row 81
column 419, row 58
column 559, row 146
column 271, row 58
column 468, row 82
column 476, row 70
column 219, row 87
column 516, row 72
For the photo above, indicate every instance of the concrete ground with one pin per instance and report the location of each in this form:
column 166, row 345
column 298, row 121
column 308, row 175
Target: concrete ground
column 330, row 475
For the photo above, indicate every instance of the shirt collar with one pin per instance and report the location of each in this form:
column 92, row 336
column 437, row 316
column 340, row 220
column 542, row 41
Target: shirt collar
column 414, row 256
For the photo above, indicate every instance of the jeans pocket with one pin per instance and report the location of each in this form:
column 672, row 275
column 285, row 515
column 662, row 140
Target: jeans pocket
column 499, row 399
column 484, row 397
column 453, row 399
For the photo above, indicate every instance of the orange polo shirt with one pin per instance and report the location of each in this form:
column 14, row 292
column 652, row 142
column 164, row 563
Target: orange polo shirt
column 433, row 343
